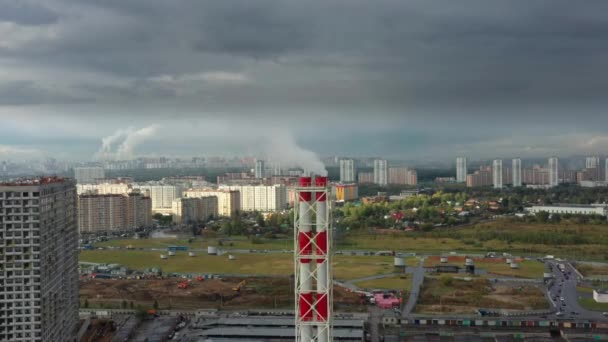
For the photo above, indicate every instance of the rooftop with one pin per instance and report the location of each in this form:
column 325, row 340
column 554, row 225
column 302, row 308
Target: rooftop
column 33, row 181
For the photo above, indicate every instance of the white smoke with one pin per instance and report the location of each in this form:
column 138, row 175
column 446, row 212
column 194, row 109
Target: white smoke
column 128, row 140
column 283, row 148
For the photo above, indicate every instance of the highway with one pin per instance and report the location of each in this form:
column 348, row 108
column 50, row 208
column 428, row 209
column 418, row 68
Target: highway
column 564, row 286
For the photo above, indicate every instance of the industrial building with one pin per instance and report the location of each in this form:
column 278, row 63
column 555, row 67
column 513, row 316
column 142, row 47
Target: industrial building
column 88, row 175
column 600, row 296
column 598, row 209
column 194, row 209
column 228, row 201
column 268, row 328
column 113, row 213
column 39, row 257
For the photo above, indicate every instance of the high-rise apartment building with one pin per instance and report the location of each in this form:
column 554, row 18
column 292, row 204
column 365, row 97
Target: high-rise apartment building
column 402, row 176
column 606, row 170
column 461, row 169
column 381, row 171
column 228, row 202
column 162, row 195
column 481, row 177
column 516, row 172
column 88, row 175
column 497, row 174
column 592, row 162
column 553, row 171
column 347, row 170
column 194, row 209
column 260, row 170
column 263, row 198
column 365, row 177
column 113, row 212
column 103, row 189
column 39, row 260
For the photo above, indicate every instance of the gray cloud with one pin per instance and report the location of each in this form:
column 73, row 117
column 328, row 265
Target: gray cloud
column 402, row 68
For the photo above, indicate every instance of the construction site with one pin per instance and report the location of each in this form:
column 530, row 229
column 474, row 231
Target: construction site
column 193, row 294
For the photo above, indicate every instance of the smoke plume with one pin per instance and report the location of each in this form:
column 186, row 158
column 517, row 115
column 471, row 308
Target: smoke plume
column 127, row 140
column 283, row 148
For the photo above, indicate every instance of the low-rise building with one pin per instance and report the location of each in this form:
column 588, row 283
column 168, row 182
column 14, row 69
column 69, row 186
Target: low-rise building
column 345, row 192
column 600, row 296
column 570, row 209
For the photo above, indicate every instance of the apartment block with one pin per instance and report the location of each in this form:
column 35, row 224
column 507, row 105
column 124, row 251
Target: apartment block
column 402, row 176
column 228, row 202
column 194, row 209
column 88, row 175
column 38, row 260
column 113, row 213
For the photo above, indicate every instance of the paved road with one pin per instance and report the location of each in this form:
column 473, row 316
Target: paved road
column 417, row 280
column 564, row 286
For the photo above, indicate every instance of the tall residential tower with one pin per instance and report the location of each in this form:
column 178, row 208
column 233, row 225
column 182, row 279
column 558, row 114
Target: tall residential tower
column 381, row 171
column 461, row 169
column 347, row 171
column 553, row 171
column 39, row 258
column 516, row 172
column 497, row 174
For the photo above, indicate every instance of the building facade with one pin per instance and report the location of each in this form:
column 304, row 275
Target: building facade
column 263, row 198
column 260, row 170
column 194, row 209
column 570, row 209
column 497, row 174
column 113, row 213
column 402, row 176
column 162, row 196
column 553, row 171
column 365, row 177
column 481, row 177
column 346, row 192
column 347, row 170
column 228, row 202
column 516, row 172
column 381, row 171
column 39, row 258
column 88, row 175
column 461, row 169
column 103, row 189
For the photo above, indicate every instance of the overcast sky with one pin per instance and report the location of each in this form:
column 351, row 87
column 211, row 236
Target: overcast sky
column 424, row 80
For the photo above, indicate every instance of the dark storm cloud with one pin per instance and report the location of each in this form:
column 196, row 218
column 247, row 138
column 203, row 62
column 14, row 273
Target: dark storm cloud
column 409, row 65
column 26, row 13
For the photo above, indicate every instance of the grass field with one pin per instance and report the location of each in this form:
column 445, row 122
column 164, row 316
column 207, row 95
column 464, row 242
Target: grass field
column 592, row 270
column 442, row 295
column 466, row 240
column 391, row 283
column 236, row 243
column 496, row 266
column 345, row 267
column 590, row 304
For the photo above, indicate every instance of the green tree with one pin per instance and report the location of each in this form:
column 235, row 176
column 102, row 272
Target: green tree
column 86, row 303
column 123, row 305
column 131, row 305
column 155, row 305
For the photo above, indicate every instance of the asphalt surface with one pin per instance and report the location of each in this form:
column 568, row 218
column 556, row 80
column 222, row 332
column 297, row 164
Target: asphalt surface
column 417, row 280
column 564, row 287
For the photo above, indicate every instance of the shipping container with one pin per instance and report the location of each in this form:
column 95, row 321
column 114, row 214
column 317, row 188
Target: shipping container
column 567, row 325
column 602, row 325
column 492, row 323
column 480, row 323
column 441, row 321
column 417, row 322
column 543, row 323
column 466, row 322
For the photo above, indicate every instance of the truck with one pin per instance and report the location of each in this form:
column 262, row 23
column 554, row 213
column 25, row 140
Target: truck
column 562, row 267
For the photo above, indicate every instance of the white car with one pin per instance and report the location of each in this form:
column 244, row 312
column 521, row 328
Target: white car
column 561, row 298
column 559, row 313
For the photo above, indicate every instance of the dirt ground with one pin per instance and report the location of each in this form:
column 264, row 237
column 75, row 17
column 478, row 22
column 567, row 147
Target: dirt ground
column 216, row 293
column 459, row 296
